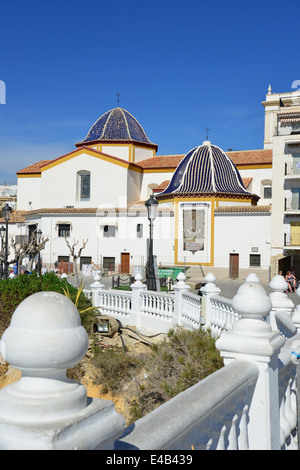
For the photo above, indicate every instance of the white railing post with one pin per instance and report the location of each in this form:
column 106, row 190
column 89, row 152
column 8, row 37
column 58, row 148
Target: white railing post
column 208, row 291
column 280, row 300
column 45, row 410
column 95, row 286
column 137, row 288
column 252, row 339
column 296, row 313
column 179, row 288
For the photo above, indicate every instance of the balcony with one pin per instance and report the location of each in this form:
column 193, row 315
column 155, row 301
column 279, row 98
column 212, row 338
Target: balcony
column 292, row 240
column 292, row 170
column 292, row 205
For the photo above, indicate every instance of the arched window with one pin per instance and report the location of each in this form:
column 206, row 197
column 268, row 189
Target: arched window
column 266, row 189
column 84, row 185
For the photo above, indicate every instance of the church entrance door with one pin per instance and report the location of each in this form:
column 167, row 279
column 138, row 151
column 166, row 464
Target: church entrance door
column 234, row 266
column 125, row 263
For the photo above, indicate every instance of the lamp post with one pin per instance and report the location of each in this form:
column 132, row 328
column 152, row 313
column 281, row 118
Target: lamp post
column 2, row 232
column 39, row 238
column 6, row 214
column 151, row 205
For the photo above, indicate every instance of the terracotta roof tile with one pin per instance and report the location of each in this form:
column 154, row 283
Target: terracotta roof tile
column 247, row 181
column 228, row 209
column 251, row 157
column 34, row 168
column 239, row 157
column 16, row 217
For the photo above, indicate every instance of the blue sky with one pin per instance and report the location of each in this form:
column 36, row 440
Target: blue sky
column 178, row 67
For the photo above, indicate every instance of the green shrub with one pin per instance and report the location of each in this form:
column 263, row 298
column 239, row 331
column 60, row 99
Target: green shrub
column 175, row 365
column 14, row 291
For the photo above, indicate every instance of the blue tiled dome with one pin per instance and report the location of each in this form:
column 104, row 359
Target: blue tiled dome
column 206, row 170
column 116, row 125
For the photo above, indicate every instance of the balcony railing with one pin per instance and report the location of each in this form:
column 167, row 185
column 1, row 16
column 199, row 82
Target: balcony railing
column 292, row 204
column 292, row 169
column 292, row 239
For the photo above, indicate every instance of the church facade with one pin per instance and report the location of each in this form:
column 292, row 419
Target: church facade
column 214, row 212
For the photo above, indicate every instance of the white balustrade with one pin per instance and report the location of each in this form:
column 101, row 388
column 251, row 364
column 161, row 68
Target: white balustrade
column 44, row 409
column 191, row 315
column 250, row 403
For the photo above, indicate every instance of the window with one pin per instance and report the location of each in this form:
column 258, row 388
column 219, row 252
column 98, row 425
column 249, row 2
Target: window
column 64, row 230
column 266, row 189
column 139, row 230
column 109, row 231
column 109, row 263
column 85, row 260
column 254, row 260
column 267, row 192
column 84, row 185
column 63, row 259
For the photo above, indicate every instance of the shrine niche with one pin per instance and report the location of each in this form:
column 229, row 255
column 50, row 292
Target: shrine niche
column 193, row 229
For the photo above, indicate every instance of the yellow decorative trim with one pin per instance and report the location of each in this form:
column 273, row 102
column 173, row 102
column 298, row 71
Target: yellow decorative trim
column 110, row 159
column 254, row 167
column 29, row 175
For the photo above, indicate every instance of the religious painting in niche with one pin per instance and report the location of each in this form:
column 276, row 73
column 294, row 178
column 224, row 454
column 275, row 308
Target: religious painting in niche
column 193, row 229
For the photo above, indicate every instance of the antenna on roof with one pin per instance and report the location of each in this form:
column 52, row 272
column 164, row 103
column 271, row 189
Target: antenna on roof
column 118, row 101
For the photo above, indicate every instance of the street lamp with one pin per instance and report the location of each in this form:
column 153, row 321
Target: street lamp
column 39, row 239
column 6, row 214
column 151, row 205
column 2, row 232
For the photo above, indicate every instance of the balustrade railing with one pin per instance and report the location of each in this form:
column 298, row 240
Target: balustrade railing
column 191, row 315
column 114, row 303
column 212, row 414
column 222, row 315
column 157, row 305
column 250, row 403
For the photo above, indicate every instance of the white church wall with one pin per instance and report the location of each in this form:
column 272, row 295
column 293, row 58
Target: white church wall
column 259, row 176
column 118, row 151
column 148, row 179
column 126, row 238
column 29, row 193
column 59, row 183
column 242, row 234
column 133, row 186
column 142, row 154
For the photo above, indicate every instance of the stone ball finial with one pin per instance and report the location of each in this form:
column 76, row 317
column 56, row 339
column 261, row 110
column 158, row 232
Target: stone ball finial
column 252, row 277
column 181, row 277
column 210, row 277
column 45, row 334
column 251, row 301
column 278, row 283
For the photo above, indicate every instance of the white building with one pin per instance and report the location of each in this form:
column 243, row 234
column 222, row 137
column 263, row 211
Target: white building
column 214, row 208
column 282, row 135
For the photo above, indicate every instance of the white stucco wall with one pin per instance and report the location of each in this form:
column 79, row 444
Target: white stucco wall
column 119, row 151
column 29, row 190
column 141, row 154
column 126, row 240
column 259, row 176
column 108, row 183
column 236, row 233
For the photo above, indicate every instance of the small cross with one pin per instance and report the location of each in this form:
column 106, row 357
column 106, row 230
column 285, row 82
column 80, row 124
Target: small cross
column 207, row 132
column 118, row 101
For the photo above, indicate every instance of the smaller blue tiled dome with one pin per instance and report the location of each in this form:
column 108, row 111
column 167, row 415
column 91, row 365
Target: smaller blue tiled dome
column 206, row 170
column 117, row 125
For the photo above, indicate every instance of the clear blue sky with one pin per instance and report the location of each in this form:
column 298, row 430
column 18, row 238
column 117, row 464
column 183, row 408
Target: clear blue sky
column 179, row 66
